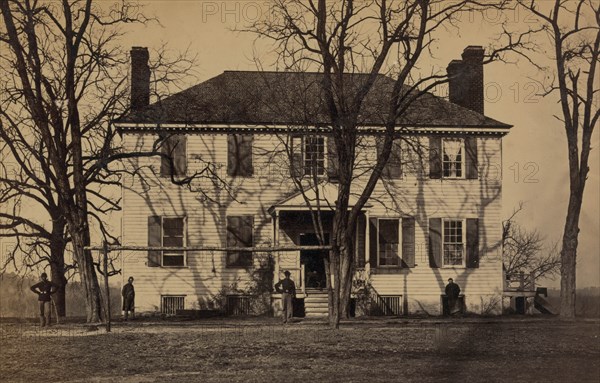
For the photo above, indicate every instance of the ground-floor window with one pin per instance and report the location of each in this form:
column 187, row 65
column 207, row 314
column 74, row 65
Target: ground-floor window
column 166, row 232
column 392, row 242
column 240, row 234
column 388, row 241
column 454, row 243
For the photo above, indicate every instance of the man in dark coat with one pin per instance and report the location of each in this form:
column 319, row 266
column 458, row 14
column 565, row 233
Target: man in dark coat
column 452, row 293
column 128, row 294
column 44, row 289
column 287, row 289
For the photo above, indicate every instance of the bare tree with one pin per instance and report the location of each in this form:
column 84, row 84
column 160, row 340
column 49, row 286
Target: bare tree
column 524, row 250
column 568, row 36
column 22, row 190
column 64, row 80
column 338, row 39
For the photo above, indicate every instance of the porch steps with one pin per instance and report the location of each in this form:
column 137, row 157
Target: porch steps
column 315, row 304
column 543, row 306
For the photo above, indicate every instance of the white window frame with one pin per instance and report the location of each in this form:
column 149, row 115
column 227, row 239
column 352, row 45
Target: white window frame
column 307, row 171
column 463, row 223
column 462, row 157
column 399, row 244
column 162, row 237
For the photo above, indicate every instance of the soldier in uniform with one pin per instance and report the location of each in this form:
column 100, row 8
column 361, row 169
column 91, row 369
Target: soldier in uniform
column 44, row 289
column 128, row 294
column 452, row 292
column 287, row 289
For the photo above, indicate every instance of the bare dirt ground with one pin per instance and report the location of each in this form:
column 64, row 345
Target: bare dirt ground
column 263, row 350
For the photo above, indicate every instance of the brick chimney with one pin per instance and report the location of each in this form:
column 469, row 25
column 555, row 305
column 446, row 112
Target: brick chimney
column 466, row 79
column 140, row 78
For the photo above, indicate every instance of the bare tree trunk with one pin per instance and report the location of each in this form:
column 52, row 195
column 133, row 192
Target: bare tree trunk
column 347, row 271
column 568, row 256
column 334, row 298
column 57, row 270
column 87, row 273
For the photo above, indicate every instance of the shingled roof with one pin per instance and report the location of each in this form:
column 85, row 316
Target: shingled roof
column 294, row 98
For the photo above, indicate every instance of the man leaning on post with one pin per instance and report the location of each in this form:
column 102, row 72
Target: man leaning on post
column 287, row 289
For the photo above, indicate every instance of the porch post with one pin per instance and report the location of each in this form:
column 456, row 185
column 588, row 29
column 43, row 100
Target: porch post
column 367, row 244
column 276, row 243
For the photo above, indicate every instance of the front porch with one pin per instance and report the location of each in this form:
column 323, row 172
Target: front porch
column 294, row 223
column 523, row 296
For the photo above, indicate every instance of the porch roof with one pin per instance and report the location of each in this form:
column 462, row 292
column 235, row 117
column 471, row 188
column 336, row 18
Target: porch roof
column 323, row 195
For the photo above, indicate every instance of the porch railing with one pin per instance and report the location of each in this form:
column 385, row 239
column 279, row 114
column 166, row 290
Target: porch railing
column 519, row 281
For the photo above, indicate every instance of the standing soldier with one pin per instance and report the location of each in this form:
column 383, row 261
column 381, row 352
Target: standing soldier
column 453, row 292
column 128, row 294
column 287, row 289
column 44, row 289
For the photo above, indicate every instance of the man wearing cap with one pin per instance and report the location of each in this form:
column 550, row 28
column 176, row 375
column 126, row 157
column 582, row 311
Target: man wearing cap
column 44, row 289
column 128, row 294
column 452, row 292
column 287, row 288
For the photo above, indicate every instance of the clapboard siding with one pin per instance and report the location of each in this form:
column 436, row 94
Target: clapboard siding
column 207, row 204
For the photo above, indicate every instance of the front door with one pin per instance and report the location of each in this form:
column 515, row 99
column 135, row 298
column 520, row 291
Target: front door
column 313, row 261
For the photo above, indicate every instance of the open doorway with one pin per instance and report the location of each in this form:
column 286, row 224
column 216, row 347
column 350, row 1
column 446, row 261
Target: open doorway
column 313, row 261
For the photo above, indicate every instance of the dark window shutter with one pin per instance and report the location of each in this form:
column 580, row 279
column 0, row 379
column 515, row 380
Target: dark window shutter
column 373, row 242
column 232, row 153
column 247, row 167
column 165, row 158
column 394, row 164
column 435, row 242
column 247, row 225
column 154, row 240
column 408, row 242
column 472, row 243
column 435, row 157
column 297, row 158
column 173, row 149
column 332, row 159
column 233, row 224
column 379, row 148
column 360, row 251
column 471, row 157
column 239, row 155
column 180, row 155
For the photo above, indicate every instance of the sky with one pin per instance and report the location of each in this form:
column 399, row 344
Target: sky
column 534, row 152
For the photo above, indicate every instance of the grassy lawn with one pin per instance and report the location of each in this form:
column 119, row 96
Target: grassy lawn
column 473, row 350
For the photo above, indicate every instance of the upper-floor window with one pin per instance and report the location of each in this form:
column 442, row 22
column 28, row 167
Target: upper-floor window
column 239, row 155
column 314, row 155
column 308, row 155
column 166, row 232
column 173, row 156
column 453, row 158
column 240, row 234
column 454, row 243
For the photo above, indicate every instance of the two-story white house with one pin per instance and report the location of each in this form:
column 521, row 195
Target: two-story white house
column 436, row 214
